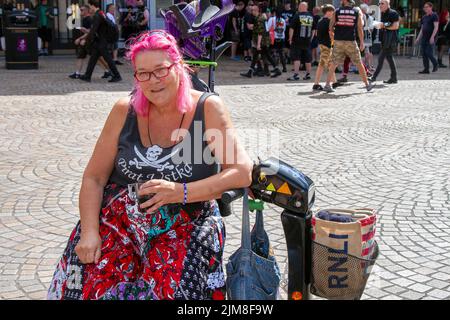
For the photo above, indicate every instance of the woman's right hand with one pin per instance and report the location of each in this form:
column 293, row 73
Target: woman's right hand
column 89, row 248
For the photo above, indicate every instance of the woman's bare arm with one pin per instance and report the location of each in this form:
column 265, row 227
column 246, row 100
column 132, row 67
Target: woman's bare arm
column 99, row 168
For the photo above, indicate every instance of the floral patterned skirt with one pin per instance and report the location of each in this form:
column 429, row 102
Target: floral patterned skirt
column 168, row 254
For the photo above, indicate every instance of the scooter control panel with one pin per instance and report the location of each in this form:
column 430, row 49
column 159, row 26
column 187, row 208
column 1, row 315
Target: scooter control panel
column 274, row 181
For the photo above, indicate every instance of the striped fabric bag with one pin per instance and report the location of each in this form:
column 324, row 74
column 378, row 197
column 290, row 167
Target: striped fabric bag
column 344, row 251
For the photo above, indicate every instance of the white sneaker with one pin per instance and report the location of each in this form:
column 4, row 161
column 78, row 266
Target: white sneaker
column 328, row 89
column 370, row 86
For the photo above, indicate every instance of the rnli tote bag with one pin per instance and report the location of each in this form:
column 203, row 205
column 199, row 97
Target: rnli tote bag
column 343, row 252
column 252, row 271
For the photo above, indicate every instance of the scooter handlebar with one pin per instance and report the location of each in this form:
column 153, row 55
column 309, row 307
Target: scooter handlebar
column 232, row 195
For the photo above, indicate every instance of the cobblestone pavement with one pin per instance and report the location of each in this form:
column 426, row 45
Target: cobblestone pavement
column 388, row 149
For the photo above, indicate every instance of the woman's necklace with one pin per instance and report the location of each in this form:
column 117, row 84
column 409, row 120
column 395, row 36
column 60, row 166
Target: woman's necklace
column 148, row 128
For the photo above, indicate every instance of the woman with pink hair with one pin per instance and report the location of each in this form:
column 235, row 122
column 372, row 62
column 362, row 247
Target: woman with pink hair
column 150, row 227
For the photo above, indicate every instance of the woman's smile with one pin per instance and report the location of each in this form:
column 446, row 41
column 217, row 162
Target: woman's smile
column 157, row 90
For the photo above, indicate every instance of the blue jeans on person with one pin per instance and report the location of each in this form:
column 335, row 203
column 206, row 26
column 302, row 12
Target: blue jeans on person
column 427, row 54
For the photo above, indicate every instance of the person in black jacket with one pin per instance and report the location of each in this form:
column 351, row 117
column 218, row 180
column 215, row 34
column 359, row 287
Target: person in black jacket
column 99, row 45
column 389, row 38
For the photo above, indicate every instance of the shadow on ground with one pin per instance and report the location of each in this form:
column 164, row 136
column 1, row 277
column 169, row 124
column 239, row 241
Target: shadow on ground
column 53, row 72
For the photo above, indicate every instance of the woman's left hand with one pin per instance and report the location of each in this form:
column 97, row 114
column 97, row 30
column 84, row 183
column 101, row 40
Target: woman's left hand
column 165, row 192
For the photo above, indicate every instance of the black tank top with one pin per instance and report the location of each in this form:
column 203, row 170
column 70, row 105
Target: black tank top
column 187, row 161
column 346, row 24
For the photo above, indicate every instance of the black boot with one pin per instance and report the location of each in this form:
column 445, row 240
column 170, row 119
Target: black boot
column 106, row 75
column 115, row 78
column 275, row 73
column 390, row 81
column 85, row 78
column 440, row 64
column 260, row 73
column 247, row 74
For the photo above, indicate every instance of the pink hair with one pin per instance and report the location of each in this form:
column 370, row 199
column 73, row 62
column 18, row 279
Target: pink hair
column 160, row 40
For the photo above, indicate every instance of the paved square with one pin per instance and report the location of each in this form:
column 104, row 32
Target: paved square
column 388, row 149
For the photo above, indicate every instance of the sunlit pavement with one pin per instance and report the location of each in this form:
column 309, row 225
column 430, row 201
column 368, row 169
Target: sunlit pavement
column 388, row 149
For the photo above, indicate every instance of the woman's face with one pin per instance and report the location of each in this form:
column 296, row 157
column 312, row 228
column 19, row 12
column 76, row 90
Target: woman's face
column 160, row 92
column 255, row 11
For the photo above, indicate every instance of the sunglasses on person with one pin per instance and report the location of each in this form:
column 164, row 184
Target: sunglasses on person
column 159, row 73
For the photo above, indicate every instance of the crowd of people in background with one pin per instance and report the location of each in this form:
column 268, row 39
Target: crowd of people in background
column 281, row 36
column 265, row 37
column 135, row 19
column 98, row 37
column 277, row 37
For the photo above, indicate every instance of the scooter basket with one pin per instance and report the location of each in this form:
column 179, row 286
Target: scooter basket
column 336, row 275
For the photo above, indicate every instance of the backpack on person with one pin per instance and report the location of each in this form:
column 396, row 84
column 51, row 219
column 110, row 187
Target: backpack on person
column 112, row 34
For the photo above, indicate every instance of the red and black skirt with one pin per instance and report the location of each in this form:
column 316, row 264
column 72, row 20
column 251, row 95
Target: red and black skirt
column 168, row 254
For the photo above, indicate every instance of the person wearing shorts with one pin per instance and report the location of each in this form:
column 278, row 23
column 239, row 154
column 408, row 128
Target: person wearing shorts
column 44, row 30
column 236, row 20
column 80, row 36
column 246, row 33
column 302, row 30
column 324, row 42
column 111, row 15
column 346, row 21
